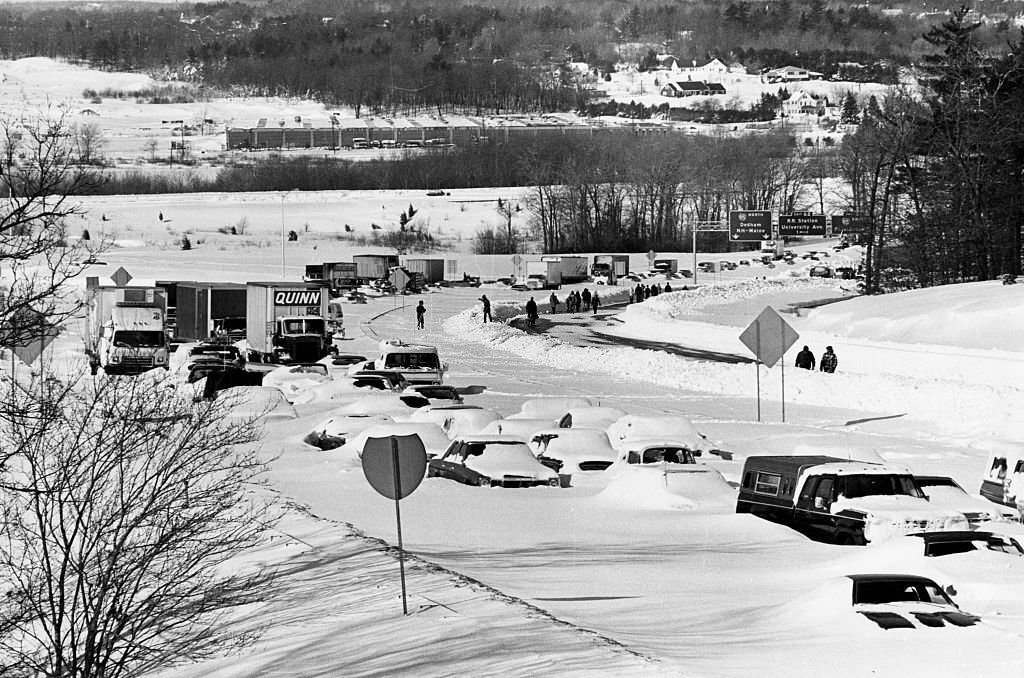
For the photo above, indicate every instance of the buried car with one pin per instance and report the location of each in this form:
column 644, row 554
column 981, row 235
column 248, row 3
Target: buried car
column 491, row 461
column 436, row 393
column 944, row 492
column 902, row 601
column 570, row 450
column 595, row 416
column 335, row 430
column 673, row 426
column 456, row 420
column 434, row 440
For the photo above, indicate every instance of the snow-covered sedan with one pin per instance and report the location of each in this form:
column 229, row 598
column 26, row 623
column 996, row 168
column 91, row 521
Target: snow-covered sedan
column 902, row 601
column 570, row 450
column 500, row 461
column 335, row 430
column 677, row 427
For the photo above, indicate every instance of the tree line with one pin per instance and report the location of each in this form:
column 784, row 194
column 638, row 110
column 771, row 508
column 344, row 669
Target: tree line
column 478, row 57
column 940, row 178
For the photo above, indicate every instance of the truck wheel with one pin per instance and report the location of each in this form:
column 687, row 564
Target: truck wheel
column 845, row 539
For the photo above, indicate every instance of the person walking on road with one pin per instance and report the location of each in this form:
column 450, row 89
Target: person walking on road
column 487, row 307
column 805, row 359
column 595, row 301
column 421, row 310
column 553, row 302
column 586, row 298
column 531, row 312
column 829, row 361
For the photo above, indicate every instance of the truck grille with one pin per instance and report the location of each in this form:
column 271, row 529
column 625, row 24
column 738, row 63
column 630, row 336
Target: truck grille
column 136, row 364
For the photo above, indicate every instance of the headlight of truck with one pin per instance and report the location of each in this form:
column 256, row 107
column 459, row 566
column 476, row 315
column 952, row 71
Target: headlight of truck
column 115, row 358
column 160, row 359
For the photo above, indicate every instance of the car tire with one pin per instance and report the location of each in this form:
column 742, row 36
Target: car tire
column 483, row 482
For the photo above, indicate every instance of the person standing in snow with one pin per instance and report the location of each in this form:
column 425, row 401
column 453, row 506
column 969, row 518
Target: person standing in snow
column 553, row 302
column 668, row 287
column 586, row 298
column 487, row 307
column 531, row 312
column 421, row 310
column 805, row 359
column 595, row 301
column 829, row 361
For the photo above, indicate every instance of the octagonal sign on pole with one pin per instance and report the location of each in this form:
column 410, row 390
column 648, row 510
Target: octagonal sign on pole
column 395, row 466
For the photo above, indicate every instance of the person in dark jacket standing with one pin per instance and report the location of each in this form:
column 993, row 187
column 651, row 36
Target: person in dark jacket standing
column 595, row 301
column 531, row 312
column 487, row 307
column 805, row 359
column 553, row 303
column 421, row 310
column 586, row 298
column 829, row 361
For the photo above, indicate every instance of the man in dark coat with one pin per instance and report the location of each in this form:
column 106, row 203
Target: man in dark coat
column 595, row 301
column 586, row 298
column 829, row 361
column 420, row 312
column 531, row 312
column 487, row 307
column 805, row 359
column 553, row 303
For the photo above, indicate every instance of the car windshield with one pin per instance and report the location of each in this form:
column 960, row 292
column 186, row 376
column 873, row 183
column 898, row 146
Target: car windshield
column 303, row 326
column 657, row 455
column 896, row 591
column 437, row 392
column 427, row 361
column 138, row 338
column 869, row 485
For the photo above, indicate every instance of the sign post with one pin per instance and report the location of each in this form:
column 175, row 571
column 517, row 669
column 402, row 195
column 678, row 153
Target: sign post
column 769, row 337
column 395, row 466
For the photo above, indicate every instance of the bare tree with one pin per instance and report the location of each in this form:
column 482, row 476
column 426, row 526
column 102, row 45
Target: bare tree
column 121, row 504
column 38, row 173
column 88, row 141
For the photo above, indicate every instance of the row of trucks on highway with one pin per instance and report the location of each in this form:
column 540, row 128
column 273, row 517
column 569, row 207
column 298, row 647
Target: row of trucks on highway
column 128, row 329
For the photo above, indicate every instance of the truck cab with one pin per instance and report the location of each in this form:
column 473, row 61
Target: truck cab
column 843, row 502
column 125, row 330
column 417, row 363
column 302, row 339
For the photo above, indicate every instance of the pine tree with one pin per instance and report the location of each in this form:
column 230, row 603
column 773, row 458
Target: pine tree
column 850, row 112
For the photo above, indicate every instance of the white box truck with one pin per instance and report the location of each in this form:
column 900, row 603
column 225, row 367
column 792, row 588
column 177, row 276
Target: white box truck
column 287, row 322
column 125, row 331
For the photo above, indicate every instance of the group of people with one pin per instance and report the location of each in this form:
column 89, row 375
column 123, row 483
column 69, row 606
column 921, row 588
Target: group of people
column 829, row 361
column 576, row 301
column 642, row 292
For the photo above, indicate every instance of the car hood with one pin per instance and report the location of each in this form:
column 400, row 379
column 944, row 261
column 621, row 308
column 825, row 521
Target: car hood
column 891, row 515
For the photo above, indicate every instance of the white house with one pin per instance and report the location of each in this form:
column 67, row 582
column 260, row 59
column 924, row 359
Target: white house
column 792, row 74
column 804, row 103
column 714, row 66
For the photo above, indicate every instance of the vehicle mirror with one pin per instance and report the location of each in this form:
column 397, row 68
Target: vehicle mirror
column 819, row 502
column 950, row 590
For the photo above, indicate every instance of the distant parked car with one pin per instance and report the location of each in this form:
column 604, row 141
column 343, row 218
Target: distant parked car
column 456, row 420
column 431, row 435
column 590, row 417
column 491, row 461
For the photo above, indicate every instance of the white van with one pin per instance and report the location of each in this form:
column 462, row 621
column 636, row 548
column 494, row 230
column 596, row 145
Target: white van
column 418, row 363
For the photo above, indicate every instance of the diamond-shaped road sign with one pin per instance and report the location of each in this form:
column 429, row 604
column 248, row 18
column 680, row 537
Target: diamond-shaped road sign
column 769, row 337
column 40, row 336
column 121, row 277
